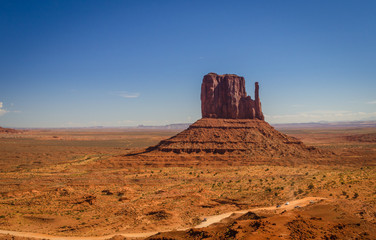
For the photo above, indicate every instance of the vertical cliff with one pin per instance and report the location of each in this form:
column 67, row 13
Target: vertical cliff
column 224, row 96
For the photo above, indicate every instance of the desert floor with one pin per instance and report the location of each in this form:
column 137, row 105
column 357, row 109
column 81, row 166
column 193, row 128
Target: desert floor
column 65, row 183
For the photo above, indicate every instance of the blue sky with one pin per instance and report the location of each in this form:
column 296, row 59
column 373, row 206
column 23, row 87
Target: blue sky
column 123, row 63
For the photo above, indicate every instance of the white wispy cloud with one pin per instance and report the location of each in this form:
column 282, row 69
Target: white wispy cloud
column 2, row 110
column 372, row 102
column 125, row 94
column 316, row 116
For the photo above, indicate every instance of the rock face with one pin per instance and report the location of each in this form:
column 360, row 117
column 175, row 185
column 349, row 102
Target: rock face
column 232, row 129
column 224, row 96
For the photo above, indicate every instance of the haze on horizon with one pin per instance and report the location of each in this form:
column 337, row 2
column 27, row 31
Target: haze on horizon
column 125, row 63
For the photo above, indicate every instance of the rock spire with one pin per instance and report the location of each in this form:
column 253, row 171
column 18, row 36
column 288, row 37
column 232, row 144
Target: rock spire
column 224, row 96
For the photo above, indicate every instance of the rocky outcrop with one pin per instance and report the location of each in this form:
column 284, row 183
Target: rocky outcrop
column 251, row 137
column 232, row 129
column 224, row 96
column 8, row 130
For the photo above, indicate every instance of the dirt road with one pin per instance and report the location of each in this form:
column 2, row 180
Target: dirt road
column 209, row 220
column 217, row 218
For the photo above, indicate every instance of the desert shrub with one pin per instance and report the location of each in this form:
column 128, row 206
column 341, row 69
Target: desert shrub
column 196, row 221
column 158, row 215
column 198, row 234
column 310, row 186
column 230, row 233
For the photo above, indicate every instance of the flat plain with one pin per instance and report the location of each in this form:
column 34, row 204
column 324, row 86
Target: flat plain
column 68, row 182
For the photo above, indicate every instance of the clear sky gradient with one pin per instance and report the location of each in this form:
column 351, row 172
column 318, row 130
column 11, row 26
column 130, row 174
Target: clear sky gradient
column 123, row 63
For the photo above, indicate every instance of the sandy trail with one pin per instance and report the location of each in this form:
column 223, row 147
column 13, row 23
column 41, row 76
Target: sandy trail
column 209, row 220
column 217, row 218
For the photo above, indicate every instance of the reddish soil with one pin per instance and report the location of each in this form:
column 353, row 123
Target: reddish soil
column 85, row 183
column 323, row 220
column 370, row 137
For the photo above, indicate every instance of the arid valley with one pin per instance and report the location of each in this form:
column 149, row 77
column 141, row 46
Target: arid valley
column 187, row 120
column 80, row 183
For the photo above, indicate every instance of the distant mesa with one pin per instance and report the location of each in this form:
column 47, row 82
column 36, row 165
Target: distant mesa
column 224, row 96
column 8, row 130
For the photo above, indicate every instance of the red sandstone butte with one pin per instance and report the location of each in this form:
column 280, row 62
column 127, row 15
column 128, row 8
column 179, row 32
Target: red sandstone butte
column 224, row 96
